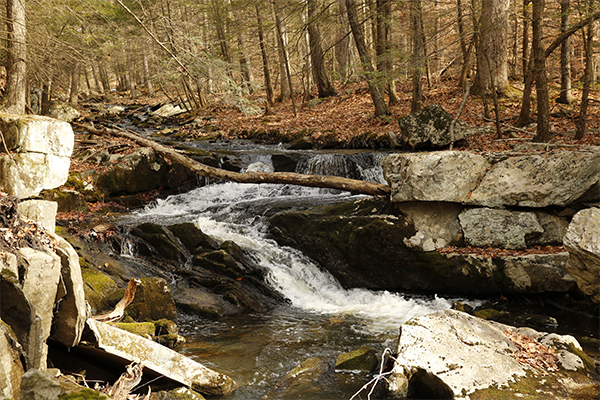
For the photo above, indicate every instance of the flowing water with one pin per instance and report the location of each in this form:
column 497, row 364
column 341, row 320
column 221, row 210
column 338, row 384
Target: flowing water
column 322, row 318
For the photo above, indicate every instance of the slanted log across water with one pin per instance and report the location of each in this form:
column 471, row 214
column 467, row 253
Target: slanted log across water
column 322, row 181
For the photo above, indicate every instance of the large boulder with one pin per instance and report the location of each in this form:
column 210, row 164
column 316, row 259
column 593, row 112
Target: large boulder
column 437, row 176
column 153, row 301
column 451, row 354
column 486, row 227
column 430, row 128
column 583, row 243
column 40, row 148
column 539, row 180
column 369, row 243
column 160, row 360
column 535, row 180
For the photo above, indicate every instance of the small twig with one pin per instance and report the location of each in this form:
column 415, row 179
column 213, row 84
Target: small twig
column 377, row 377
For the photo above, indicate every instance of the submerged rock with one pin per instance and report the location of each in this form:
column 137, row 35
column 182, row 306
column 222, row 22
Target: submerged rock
column 583, row 243
column 363, row 359
column 450, row 354
column 300, row 379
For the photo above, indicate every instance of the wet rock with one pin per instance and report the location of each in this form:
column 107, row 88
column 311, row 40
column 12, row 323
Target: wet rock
column 450, row 354
column 583, row 243
column 171, row 341
column 539, row 180
column 71, row 309
column 165, row 327
column 153, row 300
column 201, row 301
column 363, row 359
column 42, row 272
column 430, row 128
column 486, row 227
column 161, row 360
column 162, row 239
column 177, row 394
column 436, row 224
column 299, row 380
column 220, row 262
column 193, row 238
column 437, row 176
column 11, row 354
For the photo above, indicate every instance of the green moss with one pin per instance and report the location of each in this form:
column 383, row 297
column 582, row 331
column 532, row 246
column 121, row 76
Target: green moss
column 590, row 366
column 490, row 314
column 100, row 290
column 83, row 394
column 143, row 329
column 363, row 359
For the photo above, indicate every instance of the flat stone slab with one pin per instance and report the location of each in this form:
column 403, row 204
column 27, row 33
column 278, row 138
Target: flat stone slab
column 161, row 359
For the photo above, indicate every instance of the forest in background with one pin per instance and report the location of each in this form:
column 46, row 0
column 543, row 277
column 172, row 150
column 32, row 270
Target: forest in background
column 365, row 58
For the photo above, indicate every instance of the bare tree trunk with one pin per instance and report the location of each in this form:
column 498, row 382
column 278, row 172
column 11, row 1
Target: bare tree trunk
column 265, row 61
column 130, row 73
column 342, row 48
column 376, row 93
column 323, row 181
column 541, row 80
column 587, row 80
column 322, row 81
column 245, row 66
column 16, row 57
column 383, row 48
column 418, row 54
column 566, row 97
column 307, row 71
column 493, row 31
column 147, row 80
column 284, row 86
column 526, row 17
column 75, row 79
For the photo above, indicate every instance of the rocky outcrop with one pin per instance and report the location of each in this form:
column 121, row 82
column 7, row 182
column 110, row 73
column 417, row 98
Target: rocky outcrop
column 40, row 148
column 371, row 243
column 583, row 243
column 534, row 180
column 431, row 128
column 11, row 353
column 450, row 354
column 160, row 360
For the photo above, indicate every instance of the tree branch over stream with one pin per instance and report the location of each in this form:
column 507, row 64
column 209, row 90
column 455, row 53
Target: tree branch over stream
column 322, row 181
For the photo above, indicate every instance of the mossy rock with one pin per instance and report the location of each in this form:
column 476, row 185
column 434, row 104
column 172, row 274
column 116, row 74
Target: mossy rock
column 153, row 301
column 83, row 394
column 490, row 314
column 165, row 327
column 181, row 393
column 101, row 291
column 144, row 329
column 301, row 143
column 170, row 341
column 363, row 359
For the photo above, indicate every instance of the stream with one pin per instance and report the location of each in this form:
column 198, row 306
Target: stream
column 321, row 319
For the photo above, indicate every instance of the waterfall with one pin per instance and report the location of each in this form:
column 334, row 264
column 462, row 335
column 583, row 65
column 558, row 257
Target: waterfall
column 221, row 211
column 363, row 166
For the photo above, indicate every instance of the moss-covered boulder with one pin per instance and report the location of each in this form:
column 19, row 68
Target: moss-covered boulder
column 182, row 393
column 144, row 329
column 153, row 301
column 363, row 359
column 101, row 291
column 193, row 238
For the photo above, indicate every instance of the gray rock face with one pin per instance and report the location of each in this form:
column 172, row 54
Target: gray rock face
column 41, row 211
column 41, row 150
column 436, row 176
column 583, row 243
column 523, row 180
column 63, row 112
column 450, row 354
column 10, row 360
column 486, row 227
column 40, row 283
column 72, row 311
column 536, row 180
column 430, row 128
column 161, row 360
column 436, row 224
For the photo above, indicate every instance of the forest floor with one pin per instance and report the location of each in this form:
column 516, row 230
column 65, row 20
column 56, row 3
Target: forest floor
column 341, row 119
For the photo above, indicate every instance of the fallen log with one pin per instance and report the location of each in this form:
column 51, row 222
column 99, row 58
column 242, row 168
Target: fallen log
column 322, row 181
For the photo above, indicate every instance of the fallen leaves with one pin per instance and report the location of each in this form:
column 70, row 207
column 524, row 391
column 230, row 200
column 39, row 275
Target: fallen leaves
column 532, row 352
column 490, row 252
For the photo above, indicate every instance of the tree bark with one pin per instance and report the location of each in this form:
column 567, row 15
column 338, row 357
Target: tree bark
column 75, row 79
column 265, row 61
column 16, row 57
column 566, row 97
column 418, row 54
column 493, row 32
column 587, row 81
column 147, row 80
column 383, row 48
column 342, row 48
column 322, row 181
column 285, row 86
column 324, row 86
column 245, row 66
column 539, row 73
column 526, row 18
column 376, row 93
